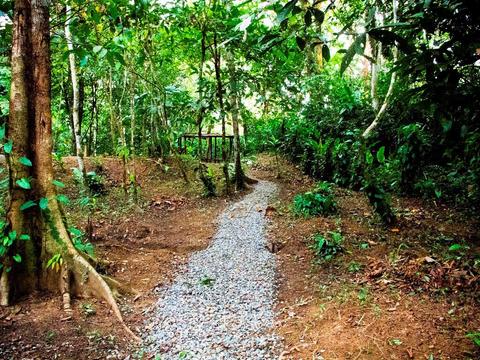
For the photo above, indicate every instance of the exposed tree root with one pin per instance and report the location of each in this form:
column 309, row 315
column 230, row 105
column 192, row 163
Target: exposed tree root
column 90, row 280
column 123, row 288
column 65, row 290
column 4, row 289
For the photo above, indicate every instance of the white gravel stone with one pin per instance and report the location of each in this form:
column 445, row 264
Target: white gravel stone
column 221, row 305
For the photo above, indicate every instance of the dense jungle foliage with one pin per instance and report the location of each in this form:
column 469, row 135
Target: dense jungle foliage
column 370, row 95
column 311, row 76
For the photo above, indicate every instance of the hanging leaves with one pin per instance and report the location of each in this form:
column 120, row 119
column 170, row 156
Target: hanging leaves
column 357, row 47
column 286, row 10
column 390, row 38
column 319, row 15
column 325, row 52
column 301, row 43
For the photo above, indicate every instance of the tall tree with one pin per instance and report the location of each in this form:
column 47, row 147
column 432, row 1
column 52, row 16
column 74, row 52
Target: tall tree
column 234, row 103
column 34, row 209
column 76, row 91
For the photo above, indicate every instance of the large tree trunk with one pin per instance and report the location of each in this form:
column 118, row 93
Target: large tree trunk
column 239, row 175
column 17, row 131
column 76, row 92
column 30, row 128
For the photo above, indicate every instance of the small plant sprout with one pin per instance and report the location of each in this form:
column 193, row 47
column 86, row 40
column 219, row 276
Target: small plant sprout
column 207, row 281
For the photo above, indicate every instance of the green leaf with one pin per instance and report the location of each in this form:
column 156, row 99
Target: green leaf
column 12, row 235
column 390, row 38
column 58, row 183
column 319, row 15
column 63, row 199
column 8, row 147
column 369, row 158
column 300, row 42
column 2, row 132
column 43, row 203
column 24, row 183
column 24, row 237
column 357, row 47
column 25, row 161
column 17, row 258
column 27, row 205
column 97, row 48
column 381, row 155
column 396, row 342
column 455, row 247
column 325, row 52
column 286, row 10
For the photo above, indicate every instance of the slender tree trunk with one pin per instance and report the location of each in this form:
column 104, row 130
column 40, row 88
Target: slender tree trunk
column 68, row 110
column 239, row 175
column 92, row 132
column 113, row 132
column 76, row 92
column 391, row 86
column 132, row 140
column 201, row 111
column 218, row 77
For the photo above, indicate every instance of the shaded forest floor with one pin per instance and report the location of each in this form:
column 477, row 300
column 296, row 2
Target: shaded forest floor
column 392, row 294
column 144, row 244
column 395, row 293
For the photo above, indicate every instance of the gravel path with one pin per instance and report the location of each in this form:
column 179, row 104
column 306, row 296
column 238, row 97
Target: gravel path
column 221, row 306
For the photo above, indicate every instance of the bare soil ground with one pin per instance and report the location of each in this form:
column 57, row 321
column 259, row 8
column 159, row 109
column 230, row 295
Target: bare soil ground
column 144, row 245
column 393, row 293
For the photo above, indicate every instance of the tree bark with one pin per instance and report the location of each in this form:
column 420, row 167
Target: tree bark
column 76, row 92
column 30, row 128
column 113, row 132
column 218, row 76
column 201, row 110
column 239, row 175
column 391, row 86
column 132, row 139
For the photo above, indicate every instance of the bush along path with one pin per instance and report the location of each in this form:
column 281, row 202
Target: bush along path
column 221, row 306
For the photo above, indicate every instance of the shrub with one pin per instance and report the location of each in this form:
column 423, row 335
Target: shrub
column 320, row 201
column 95, row 183
column 327, row 247
column 206, row 176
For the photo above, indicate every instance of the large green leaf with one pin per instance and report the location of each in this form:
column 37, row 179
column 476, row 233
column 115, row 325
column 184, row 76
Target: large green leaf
column 43, row 203
column 390, row 38
column 8, row 147
column 25, row 161
column 27, row 205
column 286, row 10
column 24, row 183
column 357, row 47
